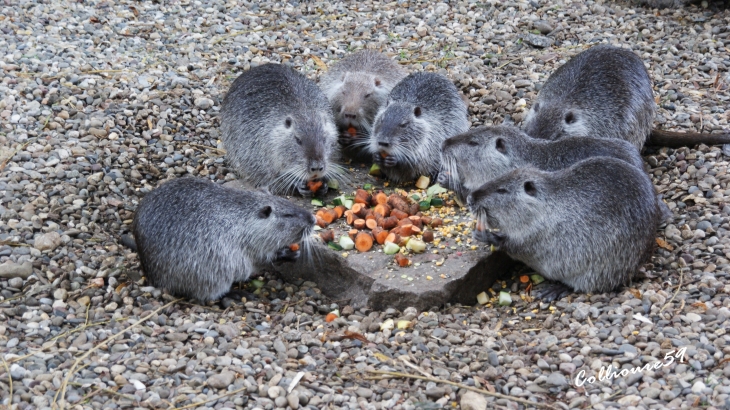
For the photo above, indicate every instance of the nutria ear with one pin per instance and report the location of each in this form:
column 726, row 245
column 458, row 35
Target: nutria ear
column 377, row 82
column 501, row 145
column 417, row 112
column 287, row 122
column 530, row 188
column 570, row 117
column 265, row 212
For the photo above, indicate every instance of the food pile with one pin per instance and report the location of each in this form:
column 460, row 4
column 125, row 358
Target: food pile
column 401, row 222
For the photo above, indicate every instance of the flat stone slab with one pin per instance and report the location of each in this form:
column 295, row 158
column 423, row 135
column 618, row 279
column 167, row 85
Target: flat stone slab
column 450, row 272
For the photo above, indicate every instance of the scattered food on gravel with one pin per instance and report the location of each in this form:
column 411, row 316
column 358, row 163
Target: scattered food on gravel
column 102, row 100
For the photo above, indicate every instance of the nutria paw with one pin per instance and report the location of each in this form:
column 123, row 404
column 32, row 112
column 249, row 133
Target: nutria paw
column 287, row 255
column 552, row 291
column 378, row 159
column 489, row 237
column 390, row 161
column 304, row 189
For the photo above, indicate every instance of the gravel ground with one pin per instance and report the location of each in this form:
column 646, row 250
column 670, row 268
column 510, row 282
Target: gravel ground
column 101, row 100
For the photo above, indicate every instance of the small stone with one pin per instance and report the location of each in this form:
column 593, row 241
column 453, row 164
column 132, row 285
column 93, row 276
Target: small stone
column 693, row 317
column 364, row 392
column 557, row 380
column 221, row 380
column 60, row 294
column 203, row 103
column 14, row 270
column 16, row 283
column 473, row 401
column 48, row 242
column 667, row 395
column 293, row 400
column 698, row 387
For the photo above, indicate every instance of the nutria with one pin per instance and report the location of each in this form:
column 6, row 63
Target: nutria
column 481, row 154
column 589, row 227
column 357, row 86
column 422, row 111
column 195, row 238
column 278, row 130
column 604, row 92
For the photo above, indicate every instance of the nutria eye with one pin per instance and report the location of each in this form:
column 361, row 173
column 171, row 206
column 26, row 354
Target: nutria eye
column 377, row 82
column 501, row 146
column 417, row 112
column 287, row 123
column 265, row 212
column 473, row 143
column 403, row 124
column 569, row 118
column 530, row 188
column 368, row 95
column 299, row 141
column 501, row 191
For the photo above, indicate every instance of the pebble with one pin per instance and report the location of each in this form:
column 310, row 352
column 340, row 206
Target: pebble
column 473, row 401
column 221, row 380
column 14, row 270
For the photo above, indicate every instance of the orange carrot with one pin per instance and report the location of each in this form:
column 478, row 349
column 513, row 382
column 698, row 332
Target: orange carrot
column 294, row 247
column 416, row 220
column 380, row 198
column 524, row 278
column 426, row 220
column 402, row 260
column 393, row 237
column 349, row 217
column 359, row 223
column 398, row 202
column 399, row 214
column 327, row 236
column 406, row 230
column 427, row 236
column 371, row 223
column 380, row 234
column 436, row 222
column 389, row 222
column 414, row 209
column 329, row 215
column 383, row 154
column 314, row 186
column 363, row 242
column 330, row 317
column 340, row 211
column 382, row 209
column 352, row 131
column 352, row 233
column 320, row 222
column 362, row 197
column 415, row 230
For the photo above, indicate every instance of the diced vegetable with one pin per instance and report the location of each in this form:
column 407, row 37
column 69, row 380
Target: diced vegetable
column 375, row 170
column 504, row 299
column 334, row 246
column 482, row 298
column 387, row 325
column 390, row 248
column 327, row 235
column 340, row 200
column 437, row 202
column 435, row 189
column 317, row 202
column 416, row 245
column 367, row 187
column 346, row 243
column 348, row 203
column 402, row 260
column 333, row 184
column 314, row 186
column 423, row 182
column 537, row 279
column 427, row 236
column 363, row 242
column 424, row 205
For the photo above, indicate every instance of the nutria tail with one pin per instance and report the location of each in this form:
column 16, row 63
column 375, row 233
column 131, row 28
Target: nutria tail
column 673, row 139
column 128, row 241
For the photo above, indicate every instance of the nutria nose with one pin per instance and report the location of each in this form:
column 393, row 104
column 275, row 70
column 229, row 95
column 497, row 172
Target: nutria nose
column 384, row 144
column 350, row 116
column 315, row 169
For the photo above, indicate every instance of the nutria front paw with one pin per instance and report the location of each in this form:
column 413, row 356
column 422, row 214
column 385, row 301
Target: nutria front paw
column 390, row 161
column 323, row 189
column 304, row 190
column 378, row 159
column 550, row 291
column 285, row 254
column 489, row 237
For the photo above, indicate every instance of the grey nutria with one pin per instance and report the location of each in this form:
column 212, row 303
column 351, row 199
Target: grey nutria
column 422, row 111
column 196, row 238
column 589, row 227
column 278, row 130
column 481, row 154
column 604, row 92
column 357, row 86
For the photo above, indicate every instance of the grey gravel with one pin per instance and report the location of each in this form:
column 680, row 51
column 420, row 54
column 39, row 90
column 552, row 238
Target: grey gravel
column 101, row 101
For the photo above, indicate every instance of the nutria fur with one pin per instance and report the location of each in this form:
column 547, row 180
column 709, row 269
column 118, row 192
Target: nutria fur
column 422, row 111
column 482, row 154
column 278, row 130
column 604, row 92
column 357, row 86
column 589, row 227
column 195, row 238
